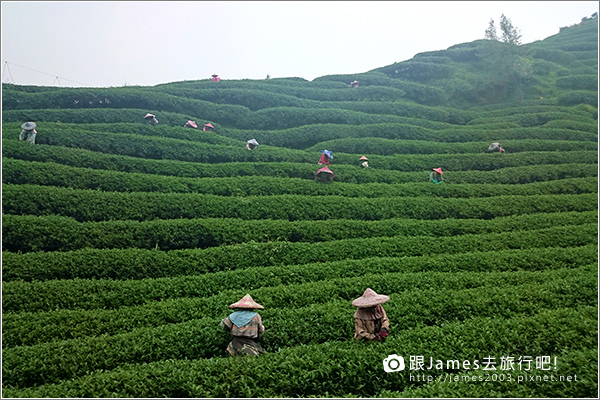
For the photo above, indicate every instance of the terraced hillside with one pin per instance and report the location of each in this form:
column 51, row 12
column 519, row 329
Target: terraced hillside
column 124, row 243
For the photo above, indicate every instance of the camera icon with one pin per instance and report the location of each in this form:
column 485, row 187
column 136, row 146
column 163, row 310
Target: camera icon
column 393, row 363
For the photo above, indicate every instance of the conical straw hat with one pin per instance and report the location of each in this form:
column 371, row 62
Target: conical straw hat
column 370, row 299
column 363, row 158
column 438, row 170
column 28, row 126
column 247, row 302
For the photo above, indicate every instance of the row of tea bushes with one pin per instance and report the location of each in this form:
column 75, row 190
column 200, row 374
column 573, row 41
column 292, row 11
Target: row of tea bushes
column 123, row 264
column 331, row 368
column 199, row 339
column 92, row 205
column 29, row 329
column 32, row 329
column 27, row 233
column 383, row 146
column 78, row 157
column 86, row 294
column 309, row 135
column 55, row 174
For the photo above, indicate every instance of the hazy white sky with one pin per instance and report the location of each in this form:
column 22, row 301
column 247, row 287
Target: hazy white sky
column 101, row 44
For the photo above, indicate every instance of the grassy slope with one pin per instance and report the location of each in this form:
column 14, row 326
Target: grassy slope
column 136, row 318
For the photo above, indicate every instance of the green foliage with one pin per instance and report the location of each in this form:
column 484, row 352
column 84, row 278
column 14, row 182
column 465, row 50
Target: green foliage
column 579, row 97
column 330, row 369
column 252, row 179
column 134, row 263
column 89, row 294
column 123, row 243
column 90, row 205
column 53, row 233
column 510, row 34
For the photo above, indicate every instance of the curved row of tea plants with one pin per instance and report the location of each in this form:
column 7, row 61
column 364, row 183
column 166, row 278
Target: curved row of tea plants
column 185, row 150
column 331, row 368
column 198, row 339
column 25, row 328
column 124, row 243
column 24, row 296
column 123, row 264
column 92, row 205
column 311, row 133
column 49, row 233
column 407, row 163
column 54, row 174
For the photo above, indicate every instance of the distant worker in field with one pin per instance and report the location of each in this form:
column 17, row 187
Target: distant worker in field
column 354, row 84
column 324, row 174
column 208, row 127
column 245, row 326
column 28, row 132
column 215, row 78
column 496, row 147
column 191, row 124
column 365, row 162
column 325, row 157
column 436, row 176
column 151, row 119
column 251, row 144
column 370, row 320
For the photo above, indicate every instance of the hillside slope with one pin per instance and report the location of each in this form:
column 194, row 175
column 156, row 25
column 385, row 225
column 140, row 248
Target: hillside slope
column 124, row 243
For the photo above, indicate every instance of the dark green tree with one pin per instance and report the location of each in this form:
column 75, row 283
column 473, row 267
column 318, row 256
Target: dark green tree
column 490, row 32
column 510, row 34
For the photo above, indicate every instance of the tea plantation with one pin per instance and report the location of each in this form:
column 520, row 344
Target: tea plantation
column 124, row 243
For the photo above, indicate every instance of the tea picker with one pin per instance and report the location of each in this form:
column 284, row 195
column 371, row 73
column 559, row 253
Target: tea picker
column 365, row 162
column 370, row 320
column 436, row 176
column 251, row 144
column 28, row 132
column 496, row 147
column 325, row 157
column 245, row 326
column 324, row 174
column 151, row 119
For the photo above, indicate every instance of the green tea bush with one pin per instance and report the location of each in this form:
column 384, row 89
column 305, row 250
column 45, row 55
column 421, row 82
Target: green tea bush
column 244, row 179
column 86, row 294
column 200, row 339
column 487, row 289
column 92, row 205
column 332, row 368
column 578, row 82
column 143, row 264
column 53, row 233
